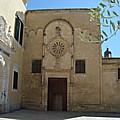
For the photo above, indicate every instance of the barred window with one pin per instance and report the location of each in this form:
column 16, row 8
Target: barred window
column 118, row 73
column 80, row 66
column 36, row 66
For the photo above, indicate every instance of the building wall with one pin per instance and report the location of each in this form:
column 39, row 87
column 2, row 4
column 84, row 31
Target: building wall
column 111, row 84
column 95, row 90
column 8, row 10
column 41, row 31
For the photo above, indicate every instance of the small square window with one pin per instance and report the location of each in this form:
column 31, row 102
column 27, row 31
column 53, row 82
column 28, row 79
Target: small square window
column 118, row 73
column 80, row 66
column 36, row 66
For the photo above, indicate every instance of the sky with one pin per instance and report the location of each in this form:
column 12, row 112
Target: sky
column 113, row 44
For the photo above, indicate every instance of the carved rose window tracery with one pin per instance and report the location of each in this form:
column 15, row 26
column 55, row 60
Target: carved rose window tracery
column 58, row 47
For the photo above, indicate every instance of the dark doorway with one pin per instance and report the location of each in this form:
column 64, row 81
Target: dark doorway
column 57, row 94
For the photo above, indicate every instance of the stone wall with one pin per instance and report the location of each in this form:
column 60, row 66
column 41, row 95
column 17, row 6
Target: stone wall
column 111, row 84
column 45, row 30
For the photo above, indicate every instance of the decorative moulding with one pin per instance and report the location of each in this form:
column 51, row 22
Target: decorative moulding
column 5, row 36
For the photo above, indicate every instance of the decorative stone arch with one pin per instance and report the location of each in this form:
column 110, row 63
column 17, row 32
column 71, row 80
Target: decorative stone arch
column 57, row 20
column 3, row 81
column 58, row 38
column 58, row 44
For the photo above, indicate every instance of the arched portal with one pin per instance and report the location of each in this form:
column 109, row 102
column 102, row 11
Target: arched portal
column 58, row 48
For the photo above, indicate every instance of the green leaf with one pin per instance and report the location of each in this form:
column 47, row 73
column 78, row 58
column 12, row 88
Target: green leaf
column 118, row 2
column 118, row 24
column 103, row 20
column 81, row 35
column 97, row 37
column 106, row 21
column 108, row 12
column 115, row 13
column 102, row 37
column 104, row 33
column 113, row 25
column 111, row 6
column 92, row 10
column 112, row 1
column 110, row 30
column 105, row 25
column 103, row 5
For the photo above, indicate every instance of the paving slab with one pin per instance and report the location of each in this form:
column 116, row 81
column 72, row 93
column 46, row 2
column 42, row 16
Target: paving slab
column 49, row 115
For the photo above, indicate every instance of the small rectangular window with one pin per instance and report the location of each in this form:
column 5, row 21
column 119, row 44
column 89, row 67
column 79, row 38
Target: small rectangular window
column 15, row 80
column 18, row 33
column 80, row 66
column 118, row 73
column 17, row 27
column 36, row 66
column 21, row 34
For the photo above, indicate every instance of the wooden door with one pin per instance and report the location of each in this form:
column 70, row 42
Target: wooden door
column 57, row 94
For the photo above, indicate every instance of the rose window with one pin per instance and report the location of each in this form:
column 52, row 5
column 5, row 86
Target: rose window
column 58, row 47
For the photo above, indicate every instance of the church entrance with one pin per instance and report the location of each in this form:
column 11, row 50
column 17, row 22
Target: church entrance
column 57, row 94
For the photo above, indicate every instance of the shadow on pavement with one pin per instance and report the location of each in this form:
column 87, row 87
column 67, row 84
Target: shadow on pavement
column 52, row 115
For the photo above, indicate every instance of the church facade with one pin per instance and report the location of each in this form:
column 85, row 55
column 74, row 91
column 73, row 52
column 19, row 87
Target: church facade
column 45, row 65
column 63, row 72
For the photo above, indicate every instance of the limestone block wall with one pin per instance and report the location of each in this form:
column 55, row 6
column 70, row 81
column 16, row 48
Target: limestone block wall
column 87, row 86
column 40, row 31
column 32, row 83
column 111, row 84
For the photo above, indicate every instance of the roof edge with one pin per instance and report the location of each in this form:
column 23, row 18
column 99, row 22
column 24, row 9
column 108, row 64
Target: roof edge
column 59, row 9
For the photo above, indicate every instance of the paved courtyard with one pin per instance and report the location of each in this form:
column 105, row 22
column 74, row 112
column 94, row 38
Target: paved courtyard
column 39, row 115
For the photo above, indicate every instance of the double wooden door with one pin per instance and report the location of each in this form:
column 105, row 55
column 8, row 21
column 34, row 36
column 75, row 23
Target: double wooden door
column 57, row 94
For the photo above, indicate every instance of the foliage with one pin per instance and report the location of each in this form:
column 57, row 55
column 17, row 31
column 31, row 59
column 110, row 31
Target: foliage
column 107, row 18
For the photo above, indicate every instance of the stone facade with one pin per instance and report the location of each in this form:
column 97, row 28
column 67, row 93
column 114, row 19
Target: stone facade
column 53, row 37
column 111, row 84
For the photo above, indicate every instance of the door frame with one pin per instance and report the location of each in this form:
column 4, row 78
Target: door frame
column 57, row 90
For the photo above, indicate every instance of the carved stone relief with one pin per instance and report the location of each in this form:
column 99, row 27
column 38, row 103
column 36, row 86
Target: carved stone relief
column 58, row 46
column 5, row 36
column 3, row 26
column 3, row 82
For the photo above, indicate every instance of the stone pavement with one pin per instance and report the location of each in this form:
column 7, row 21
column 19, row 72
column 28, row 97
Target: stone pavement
column 40, row 115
